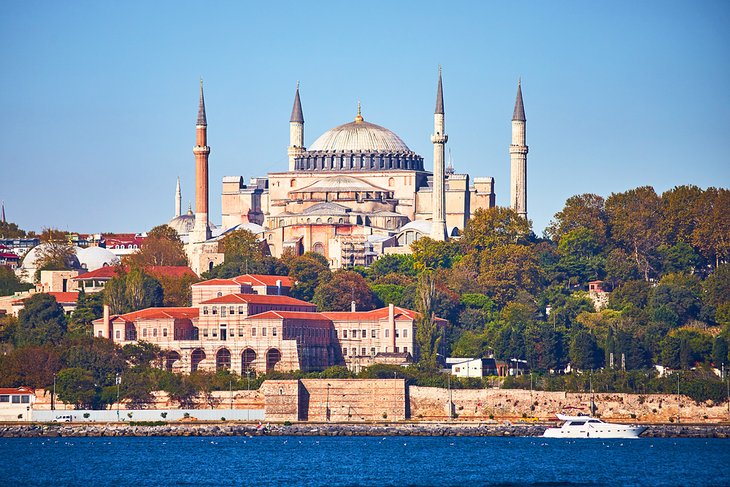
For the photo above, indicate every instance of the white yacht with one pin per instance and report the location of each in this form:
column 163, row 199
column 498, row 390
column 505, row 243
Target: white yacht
column 590, row 427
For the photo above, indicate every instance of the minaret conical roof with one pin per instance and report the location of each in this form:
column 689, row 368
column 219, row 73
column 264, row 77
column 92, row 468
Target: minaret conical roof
column 519, row 113
column 440, row 96
column 201, row 107
column 296, row 111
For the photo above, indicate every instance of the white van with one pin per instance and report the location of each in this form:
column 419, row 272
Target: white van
column 64, row 418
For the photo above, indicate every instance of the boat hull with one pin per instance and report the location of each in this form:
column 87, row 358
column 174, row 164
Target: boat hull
column 605, row 430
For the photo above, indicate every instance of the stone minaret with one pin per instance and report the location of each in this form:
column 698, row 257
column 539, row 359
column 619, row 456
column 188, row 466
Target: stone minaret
column 201, row 230
column 439, row 138
column 178, row 199
column 296, row 131
column 518, row 156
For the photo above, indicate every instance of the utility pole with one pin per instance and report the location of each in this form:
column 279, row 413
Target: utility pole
column 679, row 406
column 53, row 396
column 118, row 380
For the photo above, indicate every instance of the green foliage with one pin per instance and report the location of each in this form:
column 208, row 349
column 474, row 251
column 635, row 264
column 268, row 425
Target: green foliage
column 133, row 291
column 41, row 321
column 337, row 293
column 76, row 386
column 431, row 254
column 308, row 271
column 427, row 333
column 392, row 264
column 9, row 282
column 161, row 247
column 89, row 307
column 584, row 352
column 388, row 293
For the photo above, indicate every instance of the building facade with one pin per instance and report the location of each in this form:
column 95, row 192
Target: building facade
column 230, row 326
column 349, row 196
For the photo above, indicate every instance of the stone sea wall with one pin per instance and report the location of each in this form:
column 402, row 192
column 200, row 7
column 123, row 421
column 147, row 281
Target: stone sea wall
column 309, row 429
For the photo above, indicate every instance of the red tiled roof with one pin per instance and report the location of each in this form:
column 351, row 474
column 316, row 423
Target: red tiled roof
column 376, row 314
column 109, row 272
column 264, row 280
column 258, row 299
column 299, row 315
column 16, row 390
column 217, row 282
column 67, row 297
column 156, row 313
column 61, row 297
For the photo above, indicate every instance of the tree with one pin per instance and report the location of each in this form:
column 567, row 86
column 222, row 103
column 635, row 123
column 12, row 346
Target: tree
column 584, row 352
column 100, row 357
column 680, row 257
column 263, row 265
column 337, row 293
column 76, row 386
column 433, row 254
column 41, row 321
column 584, row 211
column 11, row 230
column 176, row 290
column 161, row 247
column 132, row 291
column 579, row 256
column 392, row 264
column 712, row 232
column 680, row 294
column 679, row 214
column 89, row 307
column 720, row 351
column 494, row 227
column 717, row 286
column 307, row 271
column 29, row 366
column 634, row 218
column 635, row 293
column 9, row 282
column 389, row 293
column 428, row 338
column 55, row 256
column 241, row 245
column 142, row 354
column 620, row 267
column 506, row 269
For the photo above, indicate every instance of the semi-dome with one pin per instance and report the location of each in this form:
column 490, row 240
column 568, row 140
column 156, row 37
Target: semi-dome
column 359, row 137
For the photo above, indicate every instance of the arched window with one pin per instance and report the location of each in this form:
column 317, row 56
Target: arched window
column 196, row 357
column 247, row 358
column 391, row 182
column 223, row 359
column 318, row 248
column 273, row 357
column 293, row 183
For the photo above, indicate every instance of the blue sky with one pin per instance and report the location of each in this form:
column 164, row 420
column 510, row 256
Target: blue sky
column 99, row 99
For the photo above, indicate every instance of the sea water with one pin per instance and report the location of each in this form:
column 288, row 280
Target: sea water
column 372, row 461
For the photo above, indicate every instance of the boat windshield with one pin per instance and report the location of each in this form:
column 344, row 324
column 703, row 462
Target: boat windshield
column 576, row 423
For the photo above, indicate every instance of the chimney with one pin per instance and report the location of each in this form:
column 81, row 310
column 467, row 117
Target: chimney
column 353, row 306
column 107, row 325
column 391, row 325
column 278, row 287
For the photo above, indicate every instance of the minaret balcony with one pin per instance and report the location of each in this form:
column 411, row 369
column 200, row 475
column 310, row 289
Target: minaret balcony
column 439, row 138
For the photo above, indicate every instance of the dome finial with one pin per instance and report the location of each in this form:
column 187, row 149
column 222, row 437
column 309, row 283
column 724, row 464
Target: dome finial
column 358, row 118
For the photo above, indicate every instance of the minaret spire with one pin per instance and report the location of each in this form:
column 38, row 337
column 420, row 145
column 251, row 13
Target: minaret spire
column 296, row 131
column 2, row 217
column 201, row 107
column 518, row 156
column 439, row 139
column 201, row 230
column 178, row 199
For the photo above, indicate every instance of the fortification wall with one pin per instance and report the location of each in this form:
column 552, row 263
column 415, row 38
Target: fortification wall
column 430, row 403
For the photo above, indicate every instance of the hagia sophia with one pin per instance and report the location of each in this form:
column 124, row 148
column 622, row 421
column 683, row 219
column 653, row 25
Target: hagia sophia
column 356, row 193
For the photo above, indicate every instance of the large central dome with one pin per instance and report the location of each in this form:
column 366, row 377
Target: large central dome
column 359, row 136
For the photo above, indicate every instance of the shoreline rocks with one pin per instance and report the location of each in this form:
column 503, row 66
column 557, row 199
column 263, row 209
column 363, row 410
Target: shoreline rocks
column 307, row 429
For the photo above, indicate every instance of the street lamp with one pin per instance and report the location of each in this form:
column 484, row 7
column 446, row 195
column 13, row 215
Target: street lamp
column 53, row 396
column 118, row 380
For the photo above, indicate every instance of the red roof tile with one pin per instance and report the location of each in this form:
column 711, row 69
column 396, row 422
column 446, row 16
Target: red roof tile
column 157, row 313
column 299, row 315
column 67, row 297
column 16, row 390
column 264, row 280
column 217, row 282
column 258, row 299
column 376, row 314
